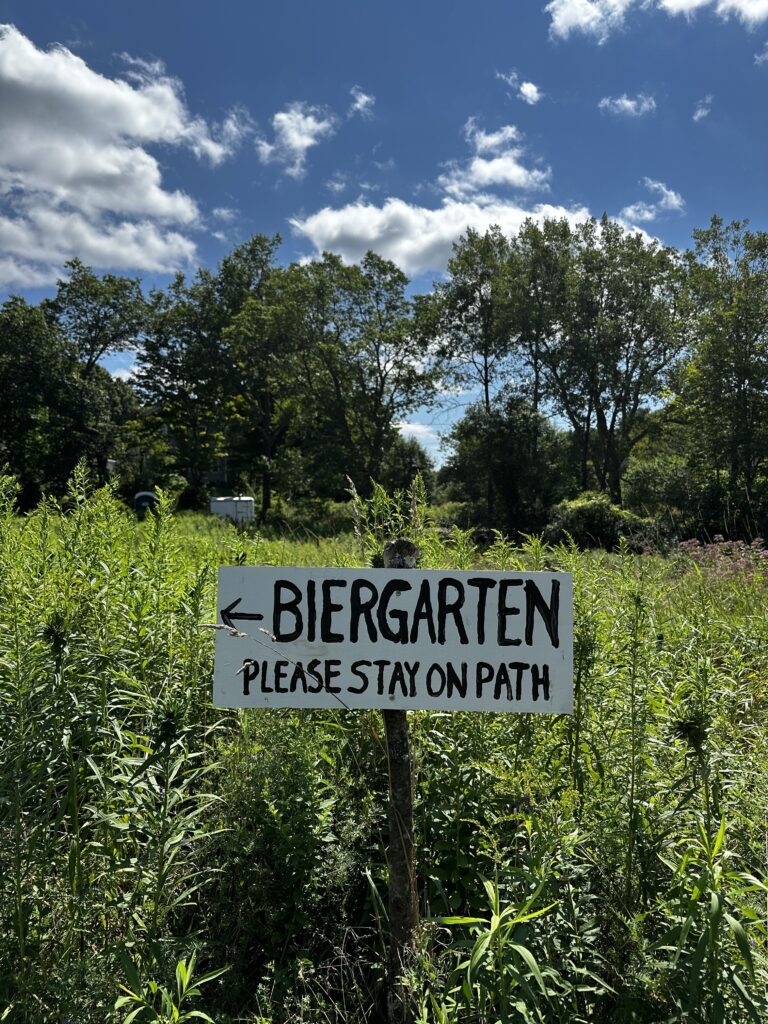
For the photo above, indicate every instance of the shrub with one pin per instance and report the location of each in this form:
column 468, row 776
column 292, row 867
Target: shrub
column 593, row 522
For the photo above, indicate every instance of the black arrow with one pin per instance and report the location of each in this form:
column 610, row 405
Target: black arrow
column 228, row 614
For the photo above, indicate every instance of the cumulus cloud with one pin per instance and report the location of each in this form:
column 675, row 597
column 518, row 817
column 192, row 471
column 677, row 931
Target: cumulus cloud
column 417, row 238
column 497, row 162
column 525, row 91
column 762, row 57
column 703, row 109
column 125, row 373
column 666, row 201
column 590, row 17
column 425, row 433
column 598, row 18
column 296, row 129
column 226, row 214
column 362, row 103
column 76, row 174
column 530, row 93
column 628, row 106
column 337, row 183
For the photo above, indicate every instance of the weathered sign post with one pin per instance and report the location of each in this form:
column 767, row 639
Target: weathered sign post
column 398, row 639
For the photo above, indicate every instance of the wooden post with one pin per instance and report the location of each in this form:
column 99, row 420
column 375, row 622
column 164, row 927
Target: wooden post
column 403, row 897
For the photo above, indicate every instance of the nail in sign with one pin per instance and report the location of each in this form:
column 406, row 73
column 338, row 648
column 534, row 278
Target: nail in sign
column 384, row 638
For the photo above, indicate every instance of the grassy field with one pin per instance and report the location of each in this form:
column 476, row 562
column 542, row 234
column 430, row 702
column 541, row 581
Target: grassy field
column 612, row 863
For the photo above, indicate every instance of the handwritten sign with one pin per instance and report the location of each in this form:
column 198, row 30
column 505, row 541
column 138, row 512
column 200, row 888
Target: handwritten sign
column 384, row 638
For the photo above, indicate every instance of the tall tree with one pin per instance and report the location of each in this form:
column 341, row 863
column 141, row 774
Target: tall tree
column 53, row 413
column 186, row 374
column 612, row 338
column 724, row 388
column 469, row 317
column 263, row 341
column 522, row 454
column 100, row 315
column 362, row 366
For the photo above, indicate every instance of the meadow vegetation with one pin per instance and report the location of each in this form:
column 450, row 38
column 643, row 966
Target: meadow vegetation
column 604, row 866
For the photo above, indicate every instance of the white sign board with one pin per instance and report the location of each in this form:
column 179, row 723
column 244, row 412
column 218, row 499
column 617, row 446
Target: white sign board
column 388, row 638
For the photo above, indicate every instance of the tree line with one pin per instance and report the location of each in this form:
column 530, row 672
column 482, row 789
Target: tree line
column 592, row 358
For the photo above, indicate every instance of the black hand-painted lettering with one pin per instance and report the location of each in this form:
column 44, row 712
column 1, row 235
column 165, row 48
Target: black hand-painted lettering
column 311, row 610
column 483, row 585
column 435, row 690
column 312, row 671
column 357, row 667
column 250, row 672
column 483, row 674
column 292, row 607
column 298, row 677
column 457, row 681
column 332, row 671
column 505, row 612
column 397, row 615
column 381, row 663
column 520, row 667
column 412, row 670
column 397, row 679
column 423, row 612
column 540, row 680
column 329, row 607
column 279, row 674
column 229, row 615
column 362, row 608
column 452, row 608
column 534, row 601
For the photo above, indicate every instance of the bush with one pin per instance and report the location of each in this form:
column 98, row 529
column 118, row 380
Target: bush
column 591, row 521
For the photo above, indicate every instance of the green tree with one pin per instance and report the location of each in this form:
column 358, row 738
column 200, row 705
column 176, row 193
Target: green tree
column 187, row 377
column 469, row 320
column 263, row 343
column 361, row 365
column 522, row 455
column 100, row 316
column 53, row 413
column 609, row 343
column 724, row 386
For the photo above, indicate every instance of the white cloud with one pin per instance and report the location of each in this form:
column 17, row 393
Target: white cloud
column 337, row 183
column 667, row 201
column 526, row 91
column 530, row 93
column 226, row 214
column 703, row 108
column 599, row 18
column 591, row 17
column 628, row 106
column 76, row 176
column 762, row 57
column 423, row 432
column 418, row 239
column 497, row 161
column 125, row 373
column 362, row 103
column 43, row 233
column 297, row 128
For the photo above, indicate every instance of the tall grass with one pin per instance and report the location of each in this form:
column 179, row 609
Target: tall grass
column 604, row 866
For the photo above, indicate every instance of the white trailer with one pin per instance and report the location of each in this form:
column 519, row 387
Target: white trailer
column 238, row 509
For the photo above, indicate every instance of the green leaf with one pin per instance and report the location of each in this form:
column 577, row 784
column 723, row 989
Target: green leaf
column 478, row 952
column 525, row 954
column 742, row 942
column 719, row 838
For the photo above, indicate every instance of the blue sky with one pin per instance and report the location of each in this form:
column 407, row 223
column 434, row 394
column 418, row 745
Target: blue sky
column 147, row 138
